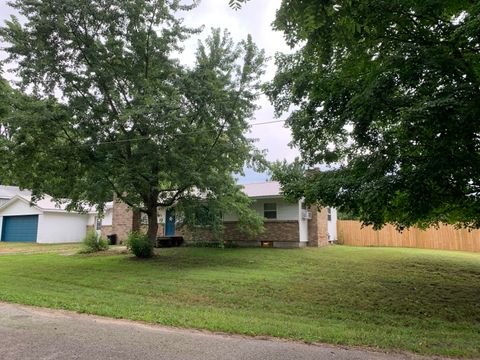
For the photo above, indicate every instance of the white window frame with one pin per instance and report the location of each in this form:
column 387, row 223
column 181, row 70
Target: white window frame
column 270, row 211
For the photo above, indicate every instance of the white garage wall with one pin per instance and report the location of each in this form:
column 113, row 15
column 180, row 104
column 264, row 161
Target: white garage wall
column 91, row 219
column 61, row 227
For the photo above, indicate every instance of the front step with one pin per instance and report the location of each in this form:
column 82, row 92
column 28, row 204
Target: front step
column 168, row 241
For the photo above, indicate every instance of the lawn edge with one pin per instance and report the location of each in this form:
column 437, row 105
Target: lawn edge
column 145, row 324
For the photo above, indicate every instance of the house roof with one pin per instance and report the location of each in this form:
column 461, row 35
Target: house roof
column 264, row 189
column 13, row 193
column 253, row 190
column 8, row 192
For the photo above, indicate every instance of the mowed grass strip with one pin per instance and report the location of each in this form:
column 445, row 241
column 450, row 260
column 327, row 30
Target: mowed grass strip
column 394, row 299
column 34, row 248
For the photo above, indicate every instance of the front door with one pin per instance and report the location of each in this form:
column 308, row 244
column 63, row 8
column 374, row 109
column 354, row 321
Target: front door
column 170, row 222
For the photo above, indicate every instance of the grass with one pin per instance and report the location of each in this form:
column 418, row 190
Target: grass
column 34, row 248
column 393, row 299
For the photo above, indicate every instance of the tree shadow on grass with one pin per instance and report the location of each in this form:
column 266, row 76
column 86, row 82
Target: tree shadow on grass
column 406, row 291
column 201, row 259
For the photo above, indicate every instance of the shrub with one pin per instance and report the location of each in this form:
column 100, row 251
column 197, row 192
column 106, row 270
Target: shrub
column 227, row 244
column 205, row 244
column 140, row 245
column 93, row 243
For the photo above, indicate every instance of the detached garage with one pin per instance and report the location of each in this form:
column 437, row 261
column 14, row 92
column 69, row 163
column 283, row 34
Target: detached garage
column 45, row 222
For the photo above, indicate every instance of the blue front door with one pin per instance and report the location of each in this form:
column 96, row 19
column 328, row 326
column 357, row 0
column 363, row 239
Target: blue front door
column 170, row 222
column 20, row 228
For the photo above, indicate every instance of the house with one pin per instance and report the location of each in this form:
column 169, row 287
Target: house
column 44, row 222
column 286, row 224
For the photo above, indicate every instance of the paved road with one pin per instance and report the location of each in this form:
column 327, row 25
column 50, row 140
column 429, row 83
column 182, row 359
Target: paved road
column 34, row 333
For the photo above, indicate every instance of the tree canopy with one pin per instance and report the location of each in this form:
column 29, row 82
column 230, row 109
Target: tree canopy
column 131, row 119
column 388, row 93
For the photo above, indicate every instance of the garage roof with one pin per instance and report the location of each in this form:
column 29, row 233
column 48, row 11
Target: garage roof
column 14, row 193
column 8, row 192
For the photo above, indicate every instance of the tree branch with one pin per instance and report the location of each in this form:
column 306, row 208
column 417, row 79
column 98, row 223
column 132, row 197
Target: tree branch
column 147, row 45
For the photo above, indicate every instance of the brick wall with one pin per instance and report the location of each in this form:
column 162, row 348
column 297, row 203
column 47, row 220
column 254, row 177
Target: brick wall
column 124, row 220
column 106, row 230
column 198, row 234
column 318, row 227
column 281, row 232
column 275, row 230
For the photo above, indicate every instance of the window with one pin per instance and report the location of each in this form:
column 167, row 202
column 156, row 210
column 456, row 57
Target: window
column 98, row 224
column 144, row 219
column 270, row 210
column 329, row 212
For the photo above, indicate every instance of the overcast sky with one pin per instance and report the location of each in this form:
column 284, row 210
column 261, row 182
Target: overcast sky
column 254, row 18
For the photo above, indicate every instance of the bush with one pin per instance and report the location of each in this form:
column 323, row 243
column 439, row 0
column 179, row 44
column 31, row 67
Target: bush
column 140, row 245
column 93, row 243
column 227, row 244
column 205, row 244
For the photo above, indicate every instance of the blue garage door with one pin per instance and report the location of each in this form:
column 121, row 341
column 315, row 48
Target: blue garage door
column 20, row 228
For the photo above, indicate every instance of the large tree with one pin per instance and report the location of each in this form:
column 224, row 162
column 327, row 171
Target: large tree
column 34, row 151
column 137, row 122
column 388, row 92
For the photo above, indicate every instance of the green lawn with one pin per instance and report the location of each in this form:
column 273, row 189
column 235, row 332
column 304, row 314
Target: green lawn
column 417, row 300
column 34, row 248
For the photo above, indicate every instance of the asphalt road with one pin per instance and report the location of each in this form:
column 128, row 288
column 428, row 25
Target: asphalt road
column 35, row 333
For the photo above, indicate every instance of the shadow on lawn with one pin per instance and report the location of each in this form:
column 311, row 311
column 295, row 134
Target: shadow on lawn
column 373, row 286
column 400, row 290
column 191, row 258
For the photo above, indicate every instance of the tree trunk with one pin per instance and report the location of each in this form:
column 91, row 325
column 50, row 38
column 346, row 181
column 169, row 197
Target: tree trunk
column 136, row 220
column 152, row 224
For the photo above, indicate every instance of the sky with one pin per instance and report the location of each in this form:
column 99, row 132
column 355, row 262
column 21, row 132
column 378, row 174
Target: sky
column 255, row 18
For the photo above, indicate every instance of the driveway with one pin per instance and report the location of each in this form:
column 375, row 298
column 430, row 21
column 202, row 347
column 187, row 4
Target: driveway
column 36, row 333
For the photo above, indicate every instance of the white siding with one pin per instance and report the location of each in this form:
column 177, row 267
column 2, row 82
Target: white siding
column 19, row 208
column 91, row 219
column 107, row 219
column 302, row 223
column 285, row 211
column 332, row 225
column 161, row 216
column 61, row 228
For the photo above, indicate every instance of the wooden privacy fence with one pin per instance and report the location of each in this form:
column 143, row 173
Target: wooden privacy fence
column 446, row 237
